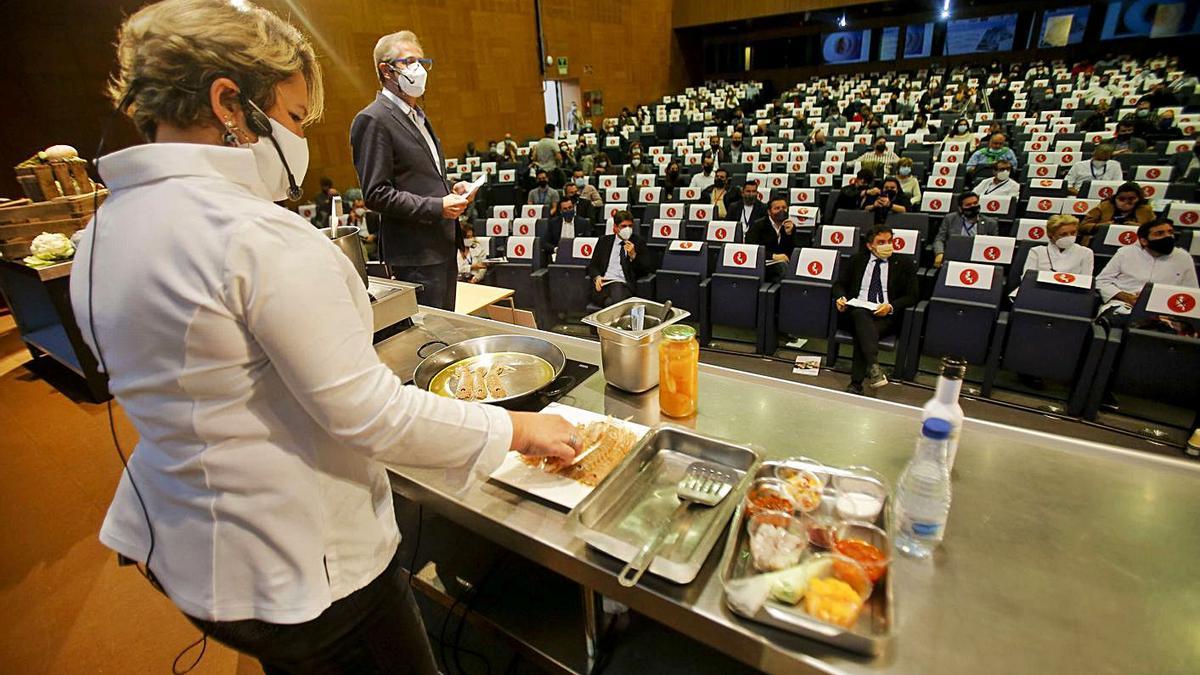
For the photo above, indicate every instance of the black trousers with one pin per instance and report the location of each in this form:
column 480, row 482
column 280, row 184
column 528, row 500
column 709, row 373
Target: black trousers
column 437, row 282
column 611, row 294
column 867, row 329
column 376, row 629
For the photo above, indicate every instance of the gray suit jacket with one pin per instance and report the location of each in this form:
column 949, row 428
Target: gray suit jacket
column 401, row 181
column 952, row 224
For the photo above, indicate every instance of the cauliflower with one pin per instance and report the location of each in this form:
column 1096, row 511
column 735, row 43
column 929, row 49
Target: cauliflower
column 49, row 248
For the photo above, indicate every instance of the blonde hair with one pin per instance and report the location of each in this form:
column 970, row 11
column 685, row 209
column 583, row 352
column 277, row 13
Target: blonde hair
column 904, row 161
column 169, row 54
column 388, row 45
column 1057, row 221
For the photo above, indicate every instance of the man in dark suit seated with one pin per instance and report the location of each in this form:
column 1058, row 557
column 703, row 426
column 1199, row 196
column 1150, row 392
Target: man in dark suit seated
column 852, row 195
column 778, row 234
column 565, row 225
column 872, row 292
column 583, row 207
column 402, row 173
column 620, row 258
column 751, row 209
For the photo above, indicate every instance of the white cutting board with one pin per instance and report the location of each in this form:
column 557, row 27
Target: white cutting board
column 552, row 487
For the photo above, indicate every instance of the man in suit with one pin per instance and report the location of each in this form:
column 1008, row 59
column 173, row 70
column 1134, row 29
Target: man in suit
column 565, row 225
column 617, row 265
column 878, row 278
column 720, row 195
column 778, row 234
column 402, row 173
column 733, row 151
column 966, row 221
column 749, row 210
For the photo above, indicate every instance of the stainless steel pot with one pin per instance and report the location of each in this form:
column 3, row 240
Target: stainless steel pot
column 348, row 242
column 521, row 388
column 628, row 357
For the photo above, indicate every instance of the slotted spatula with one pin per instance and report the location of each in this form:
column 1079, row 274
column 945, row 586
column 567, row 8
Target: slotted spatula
column 704, row 484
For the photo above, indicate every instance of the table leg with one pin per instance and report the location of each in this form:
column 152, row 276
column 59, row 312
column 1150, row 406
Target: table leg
column 591, row 625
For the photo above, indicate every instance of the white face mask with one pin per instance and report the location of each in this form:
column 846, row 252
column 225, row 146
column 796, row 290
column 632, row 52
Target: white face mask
column 1064, row 243
column 1100, row 163
column 884, row 251
column 411, row 79
column 1002, row 176
column 905, row 170
column 625, row 233
column 271, row 167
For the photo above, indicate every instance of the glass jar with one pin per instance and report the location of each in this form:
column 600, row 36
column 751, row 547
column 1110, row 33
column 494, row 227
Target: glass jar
column 678, row 371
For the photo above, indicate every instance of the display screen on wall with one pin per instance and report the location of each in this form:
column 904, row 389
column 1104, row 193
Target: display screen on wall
column 1150, row 18
column 918, row 41
column 848, row 46
column 1064, row 26
column 984, row 34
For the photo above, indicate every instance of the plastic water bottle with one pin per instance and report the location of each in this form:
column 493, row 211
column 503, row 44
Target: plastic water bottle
column 923, row 495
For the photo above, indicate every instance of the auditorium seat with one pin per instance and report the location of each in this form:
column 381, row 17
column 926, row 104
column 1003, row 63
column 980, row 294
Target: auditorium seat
column 738, row 293
column 801, row 303
column 564, row 283
column 682, row 278
column 956, row 321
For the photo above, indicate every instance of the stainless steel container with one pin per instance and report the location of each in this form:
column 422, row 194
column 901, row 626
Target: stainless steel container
column 629, row 358
column 347, row 240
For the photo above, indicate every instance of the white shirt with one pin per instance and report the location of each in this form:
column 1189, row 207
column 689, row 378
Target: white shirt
column 702, row 181
column 568, row 229
column 992, row 188
column 238, row 340
column 865, row 291
column 614, row 271
column 418, row 118
column 1049, row 258
column 1083, row 170
column 1132, row 267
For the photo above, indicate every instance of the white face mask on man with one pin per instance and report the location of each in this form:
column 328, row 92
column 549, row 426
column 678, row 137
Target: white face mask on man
column 411, row 79
column 272, row 169
column 625, row 233
column 1002, row 176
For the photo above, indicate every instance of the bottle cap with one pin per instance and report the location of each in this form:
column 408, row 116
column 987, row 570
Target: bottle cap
column 679, row 332
column 937, row 429
column 953, row 368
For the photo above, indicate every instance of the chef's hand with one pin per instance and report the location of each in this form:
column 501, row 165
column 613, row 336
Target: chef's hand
column 841, row 304
column 461, row 187
column 453, row 206
column 630, row 251
column 538, row 435
column 598, row 283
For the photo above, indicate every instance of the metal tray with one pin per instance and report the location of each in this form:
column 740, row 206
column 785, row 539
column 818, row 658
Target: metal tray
column 636, row 499
column 875, row 627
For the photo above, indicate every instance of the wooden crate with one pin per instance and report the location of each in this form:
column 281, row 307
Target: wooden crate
column 55, row 179
column 23, row 220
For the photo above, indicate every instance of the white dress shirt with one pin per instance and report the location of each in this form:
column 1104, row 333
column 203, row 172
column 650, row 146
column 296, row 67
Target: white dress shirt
column 418, row 118
column 993, row 188
column 238, row 341
column 1083, row 170
column 1049, row 258
column 701, row 180
column 614, row 271
column 865, row 290
column 1132, row 267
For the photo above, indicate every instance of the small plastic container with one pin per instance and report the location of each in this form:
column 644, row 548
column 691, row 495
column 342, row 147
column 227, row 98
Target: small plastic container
column 842, row 613
column 860, row 496
column 857, row 539
column 822, row 520
column 807, row 478
column 776, row 549
column 769, row 494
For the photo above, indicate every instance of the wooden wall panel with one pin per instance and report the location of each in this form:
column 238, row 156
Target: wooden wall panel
column 704, row 12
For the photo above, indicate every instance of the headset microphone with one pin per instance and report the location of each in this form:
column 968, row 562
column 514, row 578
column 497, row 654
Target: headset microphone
column 258, row 122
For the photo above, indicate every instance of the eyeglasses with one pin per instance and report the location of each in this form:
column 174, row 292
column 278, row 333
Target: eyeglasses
column 427, row 64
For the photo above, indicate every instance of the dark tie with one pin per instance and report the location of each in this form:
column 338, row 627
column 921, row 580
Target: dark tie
column 875, row 290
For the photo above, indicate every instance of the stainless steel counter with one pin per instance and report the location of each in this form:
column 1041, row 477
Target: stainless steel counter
column 1061, row 556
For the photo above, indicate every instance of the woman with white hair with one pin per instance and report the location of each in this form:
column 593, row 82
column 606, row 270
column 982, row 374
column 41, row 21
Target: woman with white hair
column 1061, row 252
column 238, row 341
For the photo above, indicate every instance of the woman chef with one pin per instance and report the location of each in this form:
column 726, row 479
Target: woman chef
column 238, row 340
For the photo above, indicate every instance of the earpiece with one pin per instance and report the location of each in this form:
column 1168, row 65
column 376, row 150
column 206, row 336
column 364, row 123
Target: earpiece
column 258, row 122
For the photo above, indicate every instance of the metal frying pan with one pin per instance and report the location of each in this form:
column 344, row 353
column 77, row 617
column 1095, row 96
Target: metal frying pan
column 532, row 365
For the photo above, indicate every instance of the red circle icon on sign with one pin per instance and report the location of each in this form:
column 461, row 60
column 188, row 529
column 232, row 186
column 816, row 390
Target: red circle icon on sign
column 1036, row 233
column 815, row 267
column 1127, row 237
column 1037, row 146
column 898, row 243
column 1105, row 192
column 586, row 250
column 524, row 229
column 614, row 197
column 1080, row 207
column 935, row 204
column 1041, row 158
column 1189, row 217
column 1046, row 183
column 1149, row 191
column 1153, row 173
column 701, row 214
column 1043, row 171
column 991, row 253
column 1045, row 204
column 519, row 250
column 503, row 214
column 665, row 231
column 671, row 212
column 836, row 237
column 993, row 205
column 941, row 182
column 721, row 234
column 968, row 277
column 685, row 245
column 1181, row 303
column 649, row 197
column 739, row 257
column 1068, row 158
column 952, row 159
column 945, row 171
column 1064, row 278
column 498, row 230
column 829, row 169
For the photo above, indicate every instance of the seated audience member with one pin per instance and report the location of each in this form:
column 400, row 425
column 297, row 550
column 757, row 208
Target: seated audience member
column 544, row 194
column 777, row 233
column 324, row 202
column 587, row 191
column 1042, row 99
column 890, row 199
column 835, row 119
column 908, row 182
column 877, row 278
column 583, row 208
column 716, row 149
column 365, row 220
column 1061, row 253
column 672, row 181
column 620, row 258
column 1101, row 167
column 749, row 209
column 471, row 256
column 1000, row 184
column 602, row 166
column 816, row 142
column 705, row 178
column 1154, row 259
column 735, row 148
column 879, row 160
column 960, row 132
column 1159, row 96
column 931, row 100
column 967, row 221
column 1143, row 118
column 636, row 166
column 1127, row 206
column 1186, row 163
column 1126, row 140
column 720, row 195
column 995, row 151
column 996, row 126
column 921, row 127
column 851, row 196
column 1001, row 99
column 1165, row 129
column 567, row 224
column 1099, row 119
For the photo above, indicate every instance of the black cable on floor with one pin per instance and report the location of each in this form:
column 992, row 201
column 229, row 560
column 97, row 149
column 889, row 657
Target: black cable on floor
column 475, row 592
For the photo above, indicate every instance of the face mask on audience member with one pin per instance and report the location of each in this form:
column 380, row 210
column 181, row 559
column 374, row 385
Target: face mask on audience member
column 749, row 199
column 568, row 214
column 883, row 251
column 962, row 128
column 1065, row 243
column 905, row 171
column 1099, row 163
column 971, row 211
column 625, row 233
column 1165, row 123
column 542, row 182
column 580, row 182
column 636, row 160
column 1143, row 112
column 1162, row 246
column 1003, row 175
column 779, row 216
column 881, row 148
column 708, row 167
column 720, row 182
column 890, row 194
